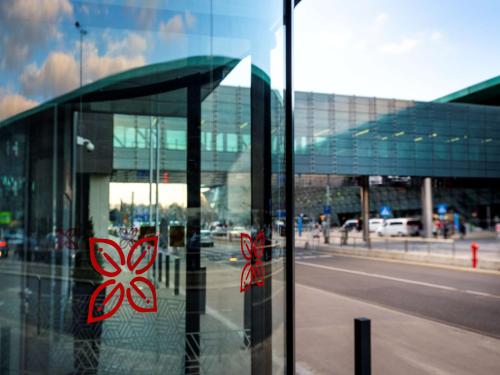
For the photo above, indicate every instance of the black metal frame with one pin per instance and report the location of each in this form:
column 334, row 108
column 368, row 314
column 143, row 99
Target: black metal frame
column 289, row 190
column 193, row 169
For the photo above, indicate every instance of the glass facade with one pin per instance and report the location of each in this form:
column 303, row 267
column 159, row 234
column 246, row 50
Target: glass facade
column 349, row 135
column 155, row 121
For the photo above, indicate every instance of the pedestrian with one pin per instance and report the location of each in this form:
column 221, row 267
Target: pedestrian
column 462, row 229
column 446, row 229
column 316, row 231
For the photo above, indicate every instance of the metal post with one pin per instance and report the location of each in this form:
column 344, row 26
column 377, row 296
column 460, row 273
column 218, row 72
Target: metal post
column 427, row 206
column 193, row 180
column 365, row 208
column 177, row 276
column 167, row 271
column 154, row 270
column 160, row 261
column 5, row 350
column 362, row 346
column 39, row 309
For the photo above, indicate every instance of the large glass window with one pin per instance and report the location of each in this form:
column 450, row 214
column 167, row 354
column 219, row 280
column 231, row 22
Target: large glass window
column 160, row 122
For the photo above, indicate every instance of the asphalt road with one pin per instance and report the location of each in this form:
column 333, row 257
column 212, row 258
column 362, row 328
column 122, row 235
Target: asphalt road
column 469, row 300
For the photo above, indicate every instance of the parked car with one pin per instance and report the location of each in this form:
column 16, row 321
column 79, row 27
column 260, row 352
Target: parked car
column 350, row 225
column 219, row 230
column 399, row 227
column 206, row 238
column 235, row 233
column 374, row 224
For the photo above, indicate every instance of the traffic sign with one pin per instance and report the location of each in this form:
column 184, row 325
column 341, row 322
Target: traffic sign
column 442, row 208
column 385, row 211
column 327, row 210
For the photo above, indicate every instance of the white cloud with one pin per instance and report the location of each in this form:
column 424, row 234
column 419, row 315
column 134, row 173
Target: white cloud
column 404, row 46
column 27, row 25
column 98, row 66
column 60, row 72
column 11, row 104
column 36, row 11
column 132, row 45
column 381, row 20
column 436, row 35
column 190, row 19
column 173, row 28
column 177, row 26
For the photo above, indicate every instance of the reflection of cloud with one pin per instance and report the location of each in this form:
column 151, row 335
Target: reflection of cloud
column 97, row 66
column 59, row 73
column 11, row 104
column 132, row 45
column 173, row 28
column 27, row 24
column 403, row 46
column 177, row 26
column 190, row 19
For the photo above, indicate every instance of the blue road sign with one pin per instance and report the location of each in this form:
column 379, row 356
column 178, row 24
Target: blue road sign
column 385, row 211
column 327, row 210
column 442, row 208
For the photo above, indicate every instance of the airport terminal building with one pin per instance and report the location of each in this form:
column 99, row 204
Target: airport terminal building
column 177, row 148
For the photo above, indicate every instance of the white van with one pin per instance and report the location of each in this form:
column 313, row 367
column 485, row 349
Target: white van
column 374, row 224
column 399, row 227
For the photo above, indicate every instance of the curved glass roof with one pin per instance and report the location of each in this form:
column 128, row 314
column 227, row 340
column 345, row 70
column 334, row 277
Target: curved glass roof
column 143, row 81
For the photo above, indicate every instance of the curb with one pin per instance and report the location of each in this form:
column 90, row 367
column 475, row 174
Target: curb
column 431, row 259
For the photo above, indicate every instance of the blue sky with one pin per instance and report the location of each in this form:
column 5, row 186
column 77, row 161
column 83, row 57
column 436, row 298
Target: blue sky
column 417, row 50
column 398, row 49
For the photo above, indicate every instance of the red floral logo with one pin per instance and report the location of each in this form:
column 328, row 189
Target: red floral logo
column 65, row 238
column 140, row 292
column 252, row 250
column 127, row 237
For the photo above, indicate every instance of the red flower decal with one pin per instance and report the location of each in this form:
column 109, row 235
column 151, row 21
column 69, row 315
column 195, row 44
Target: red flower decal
column 127, row 237
column 140, row 292
column 65, row 238
column 252, row 250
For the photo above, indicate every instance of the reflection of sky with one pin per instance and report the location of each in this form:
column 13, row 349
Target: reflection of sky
column 40, row 46
column 167, row 194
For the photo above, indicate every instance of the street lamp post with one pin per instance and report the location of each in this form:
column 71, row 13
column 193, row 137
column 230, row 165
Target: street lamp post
column 83, row 32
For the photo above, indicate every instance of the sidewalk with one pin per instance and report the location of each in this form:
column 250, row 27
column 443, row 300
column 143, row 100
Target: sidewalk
column 401, row 343
column 447, row 252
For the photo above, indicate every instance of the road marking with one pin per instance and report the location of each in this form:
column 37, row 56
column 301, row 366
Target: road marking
column 406, row 281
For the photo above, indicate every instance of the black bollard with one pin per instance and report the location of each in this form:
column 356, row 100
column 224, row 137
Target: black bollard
column 39, row 306
column 154, row 269
column 160, row 269
column 362, row 346
column 4, row 350
column 177, row 275
column 167, row 271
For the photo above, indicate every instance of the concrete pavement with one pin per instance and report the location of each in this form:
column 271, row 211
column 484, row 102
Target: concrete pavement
column 401, row 343
column 425, row 320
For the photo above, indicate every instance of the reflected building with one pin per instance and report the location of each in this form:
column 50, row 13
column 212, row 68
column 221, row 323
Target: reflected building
column 132, row 133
